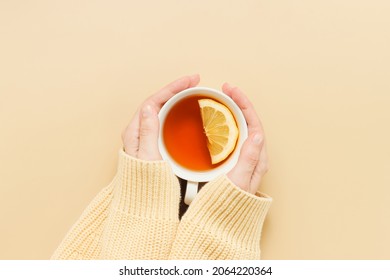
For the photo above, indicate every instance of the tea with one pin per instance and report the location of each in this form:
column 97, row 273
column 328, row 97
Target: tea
column 184, row 137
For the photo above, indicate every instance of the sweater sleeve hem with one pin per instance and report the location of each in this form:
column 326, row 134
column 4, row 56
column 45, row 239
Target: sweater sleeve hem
column 146, row 188
column 229, row 213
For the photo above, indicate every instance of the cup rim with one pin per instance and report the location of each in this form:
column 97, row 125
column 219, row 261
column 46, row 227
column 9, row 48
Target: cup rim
column 207, row 175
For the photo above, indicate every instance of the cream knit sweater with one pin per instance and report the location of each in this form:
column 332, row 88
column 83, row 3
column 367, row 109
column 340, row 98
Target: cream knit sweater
column 137, row 217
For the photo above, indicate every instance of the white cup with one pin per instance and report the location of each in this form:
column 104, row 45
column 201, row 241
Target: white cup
column 194, row 177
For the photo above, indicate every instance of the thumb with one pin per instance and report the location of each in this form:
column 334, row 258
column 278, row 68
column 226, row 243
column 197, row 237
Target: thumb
column 242, row 172
column 148, row 134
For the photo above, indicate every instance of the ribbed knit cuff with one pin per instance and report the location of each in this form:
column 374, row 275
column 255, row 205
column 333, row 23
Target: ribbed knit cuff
column 229, row 213
column 146, row 188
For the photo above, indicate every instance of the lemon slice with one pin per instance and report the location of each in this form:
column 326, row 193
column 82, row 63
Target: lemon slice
column 220, row 129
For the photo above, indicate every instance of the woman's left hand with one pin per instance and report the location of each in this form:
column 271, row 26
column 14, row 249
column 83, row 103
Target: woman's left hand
column 140, row 138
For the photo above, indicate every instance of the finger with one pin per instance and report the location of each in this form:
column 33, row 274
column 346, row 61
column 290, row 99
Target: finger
column 254, row 123
column 260, row 170
column 241, row 174
column 148, row 134
column 162, row 96
column 130, row 136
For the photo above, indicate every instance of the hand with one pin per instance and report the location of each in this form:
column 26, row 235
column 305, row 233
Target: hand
column 140, row 138
column 252, row 163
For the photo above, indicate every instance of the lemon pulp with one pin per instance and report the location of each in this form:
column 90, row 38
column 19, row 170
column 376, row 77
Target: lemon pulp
column 220, row 128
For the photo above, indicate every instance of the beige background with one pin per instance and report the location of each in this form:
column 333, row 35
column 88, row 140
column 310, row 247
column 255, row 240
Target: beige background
column 73, row 72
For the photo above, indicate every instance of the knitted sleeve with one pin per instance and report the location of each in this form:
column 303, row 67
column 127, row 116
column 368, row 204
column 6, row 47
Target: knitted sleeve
column 135, row 217
column 83, row 241
column 144, row 213
column 222, row 222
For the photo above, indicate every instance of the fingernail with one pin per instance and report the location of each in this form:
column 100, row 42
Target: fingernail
column 228, row 85
column 146, row 111
column 257, row 139
column 194, row 77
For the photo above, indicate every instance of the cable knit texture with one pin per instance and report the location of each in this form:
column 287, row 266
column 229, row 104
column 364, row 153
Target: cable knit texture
column 137, row 217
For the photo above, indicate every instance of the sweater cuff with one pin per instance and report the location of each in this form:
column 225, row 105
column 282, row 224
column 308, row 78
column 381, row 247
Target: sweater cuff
column 146, row 188
column 230, row 213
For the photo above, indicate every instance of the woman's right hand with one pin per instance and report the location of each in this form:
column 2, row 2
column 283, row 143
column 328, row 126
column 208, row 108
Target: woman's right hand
column 253, row 162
